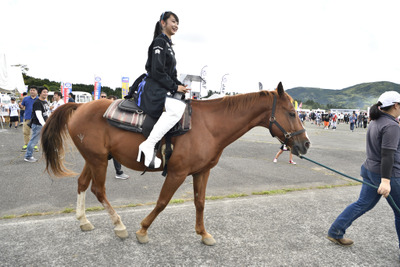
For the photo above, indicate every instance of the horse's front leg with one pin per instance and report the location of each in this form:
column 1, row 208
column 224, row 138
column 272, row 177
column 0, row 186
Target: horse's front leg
column 199, row 187
column 171, row 184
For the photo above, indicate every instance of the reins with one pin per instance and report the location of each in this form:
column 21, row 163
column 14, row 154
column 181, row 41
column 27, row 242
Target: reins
column 355, row 179
column 272, row 120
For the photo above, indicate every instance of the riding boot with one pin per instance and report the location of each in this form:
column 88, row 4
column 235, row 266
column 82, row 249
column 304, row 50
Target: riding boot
column 173, row 113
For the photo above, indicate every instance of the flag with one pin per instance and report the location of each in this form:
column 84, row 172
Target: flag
column 125, row 86
column 97, row 87
column 67, row 88
column 301, row 105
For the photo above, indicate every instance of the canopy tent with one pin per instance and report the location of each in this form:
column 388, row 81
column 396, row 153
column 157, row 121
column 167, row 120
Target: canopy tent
column 11, row 80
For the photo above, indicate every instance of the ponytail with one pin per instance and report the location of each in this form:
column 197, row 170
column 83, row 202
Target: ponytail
column 164, row 16
column 376, row 111
column 157, row 30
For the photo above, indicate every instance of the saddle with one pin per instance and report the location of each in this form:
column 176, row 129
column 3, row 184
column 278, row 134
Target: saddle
column 125, row 114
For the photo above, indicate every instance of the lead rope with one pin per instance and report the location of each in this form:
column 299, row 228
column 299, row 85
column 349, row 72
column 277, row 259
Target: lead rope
column 355, row 179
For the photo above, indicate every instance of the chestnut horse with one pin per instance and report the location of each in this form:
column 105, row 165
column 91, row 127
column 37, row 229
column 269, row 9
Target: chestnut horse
column 215, row 124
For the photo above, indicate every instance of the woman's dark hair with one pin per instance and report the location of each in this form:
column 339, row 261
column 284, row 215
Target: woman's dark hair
column 375, row 111
column 164, row 16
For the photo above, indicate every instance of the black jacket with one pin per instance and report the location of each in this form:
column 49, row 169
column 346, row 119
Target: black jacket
column 161, row 78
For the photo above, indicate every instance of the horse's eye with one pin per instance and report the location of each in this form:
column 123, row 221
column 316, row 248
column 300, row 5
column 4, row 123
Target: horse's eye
column 292, row 114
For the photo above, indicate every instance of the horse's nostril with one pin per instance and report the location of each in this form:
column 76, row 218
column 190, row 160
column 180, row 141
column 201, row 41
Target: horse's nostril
column 307, row 144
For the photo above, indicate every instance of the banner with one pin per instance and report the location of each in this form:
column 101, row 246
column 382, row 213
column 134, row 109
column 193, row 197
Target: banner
column 97, row 87
column 125, row 86
column 67, row 88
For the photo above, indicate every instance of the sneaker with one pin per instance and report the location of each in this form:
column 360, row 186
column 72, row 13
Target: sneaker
column 275, row 160
column 122, row 176
column 292, row 162
column 36, row 149
column 31, row 159
column 24, row 148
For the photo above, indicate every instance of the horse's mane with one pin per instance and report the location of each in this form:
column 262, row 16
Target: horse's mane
column 243, row 102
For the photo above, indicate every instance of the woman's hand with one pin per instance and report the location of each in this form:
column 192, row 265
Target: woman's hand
column 384, row 187
column 183, row 89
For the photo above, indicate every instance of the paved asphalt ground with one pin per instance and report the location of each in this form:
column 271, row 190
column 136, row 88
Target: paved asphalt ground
column 287, row 229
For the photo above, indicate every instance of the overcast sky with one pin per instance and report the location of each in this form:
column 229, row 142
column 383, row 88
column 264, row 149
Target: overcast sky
column 314, row 43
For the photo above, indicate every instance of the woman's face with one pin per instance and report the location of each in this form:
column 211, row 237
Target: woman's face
column 170, row 27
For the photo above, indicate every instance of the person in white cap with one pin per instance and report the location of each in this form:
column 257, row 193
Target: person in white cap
column 381, row 168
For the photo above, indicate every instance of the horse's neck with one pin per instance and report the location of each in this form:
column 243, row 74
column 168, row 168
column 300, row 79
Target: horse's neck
column 227, row 125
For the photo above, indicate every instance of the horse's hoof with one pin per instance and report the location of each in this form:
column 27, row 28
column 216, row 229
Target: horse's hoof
column 87, row 227
column 143, row 239
column 209, row 241
column 121, row 233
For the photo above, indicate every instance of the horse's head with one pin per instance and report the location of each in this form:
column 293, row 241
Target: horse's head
column 285, row 124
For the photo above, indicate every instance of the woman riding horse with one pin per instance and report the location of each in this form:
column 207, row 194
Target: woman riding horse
column 161, row 78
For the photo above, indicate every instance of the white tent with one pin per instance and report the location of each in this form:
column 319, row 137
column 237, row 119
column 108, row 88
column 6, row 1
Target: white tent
column 11, row 80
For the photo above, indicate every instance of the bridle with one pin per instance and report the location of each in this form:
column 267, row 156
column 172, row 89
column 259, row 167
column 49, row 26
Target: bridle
column 272, row 120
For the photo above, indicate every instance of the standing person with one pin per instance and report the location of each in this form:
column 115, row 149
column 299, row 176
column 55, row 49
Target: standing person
column 104, row 95
column 160, row 80
column 325, row 118
column 40, row 113
column 360, row 120
column 13, row 110
column 365, row 120
column 71, row 98
column 352, row 121
column 22, row 109
column 27, row 102
column 119, row 173
column 381, row 168
column 58, row 101
column 334, row 121
column 284, row 148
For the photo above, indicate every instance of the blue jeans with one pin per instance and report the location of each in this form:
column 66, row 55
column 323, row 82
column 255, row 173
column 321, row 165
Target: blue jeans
column 352, row 126
column 367, row 200
column 34, row 140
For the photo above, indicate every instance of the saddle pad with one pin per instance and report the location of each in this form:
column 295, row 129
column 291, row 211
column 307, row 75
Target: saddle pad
column 134, row 121
column 131, row 121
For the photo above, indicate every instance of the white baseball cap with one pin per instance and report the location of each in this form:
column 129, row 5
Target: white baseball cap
column 389, row 98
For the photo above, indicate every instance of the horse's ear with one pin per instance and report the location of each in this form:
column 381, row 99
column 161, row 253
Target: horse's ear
column 280, row 89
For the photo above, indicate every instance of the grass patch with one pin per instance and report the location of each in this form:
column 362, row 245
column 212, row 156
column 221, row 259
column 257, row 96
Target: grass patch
column 68, row 210
column 278, row 191
column 9, row 217
column 237, row 195
column 95, row 209
column 177, row 201
column 215, row 197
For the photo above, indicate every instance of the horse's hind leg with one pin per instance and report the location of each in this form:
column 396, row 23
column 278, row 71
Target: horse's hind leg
column 83, row 183
column 199, row 187
column 99, row 190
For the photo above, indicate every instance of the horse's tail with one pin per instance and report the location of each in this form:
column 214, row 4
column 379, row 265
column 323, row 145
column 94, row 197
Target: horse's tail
column 54, row 140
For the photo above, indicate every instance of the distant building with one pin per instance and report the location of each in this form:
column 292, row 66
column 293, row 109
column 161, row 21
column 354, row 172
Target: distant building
column 345, row 110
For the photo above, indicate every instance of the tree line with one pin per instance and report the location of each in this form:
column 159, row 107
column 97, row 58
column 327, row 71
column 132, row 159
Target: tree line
column 53, row 86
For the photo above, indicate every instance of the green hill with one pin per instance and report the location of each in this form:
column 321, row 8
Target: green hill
column 358, row 96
